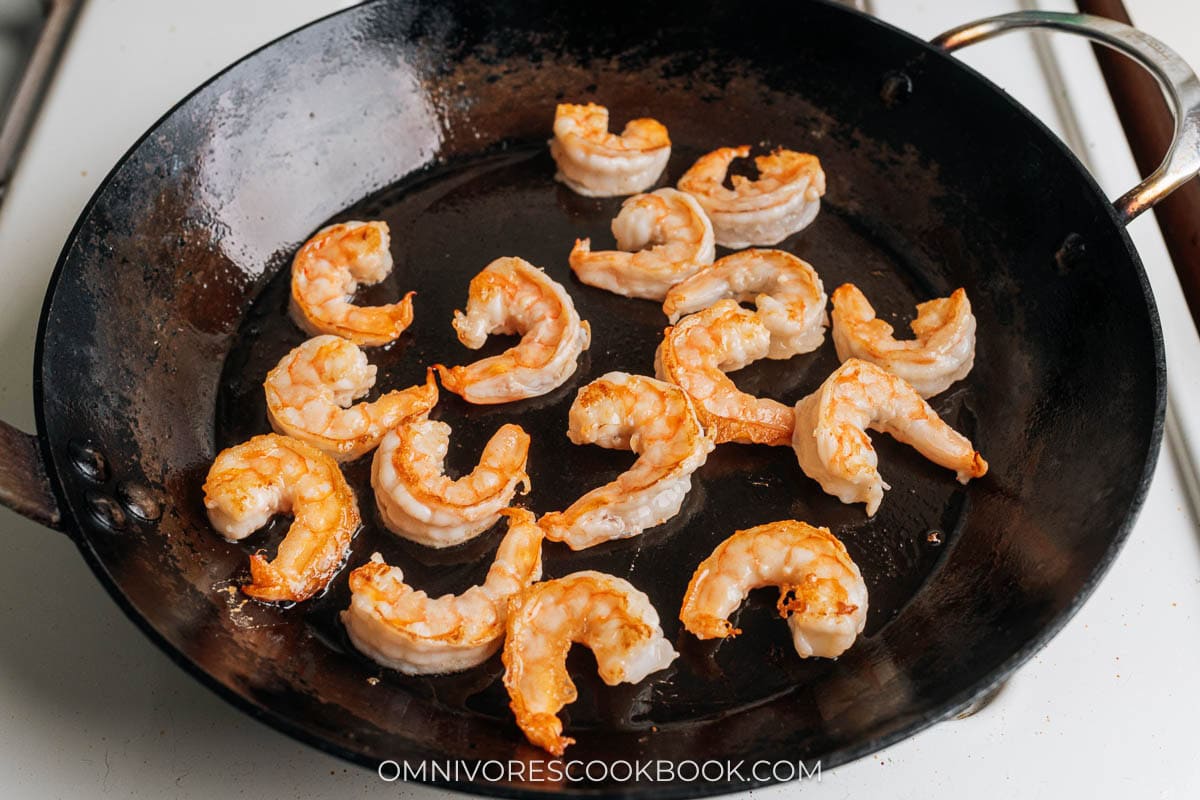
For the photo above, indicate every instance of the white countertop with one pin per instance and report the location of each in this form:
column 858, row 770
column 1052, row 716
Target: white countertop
column 88, row 707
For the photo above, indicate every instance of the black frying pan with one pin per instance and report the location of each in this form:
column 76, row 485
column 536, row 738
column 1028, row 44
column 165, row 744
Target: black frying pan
column 168, row 306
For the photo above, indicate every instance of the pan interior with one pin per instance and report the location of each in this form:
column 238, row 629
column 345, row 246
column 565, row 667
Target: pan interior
column 447, row 224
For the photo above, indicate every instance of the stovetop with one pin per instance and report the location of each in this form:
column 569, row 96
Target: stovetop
column 88, row 706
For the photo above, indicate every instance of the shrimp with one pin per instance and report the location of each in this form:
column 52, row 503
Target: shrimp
column 326, row 273
column 822, row 593
column 653, row 419
column 942, row 353
column 662, row 238
column 605, row 614
column 418, row 501
column 272, row 474
column 786, row 291
column 759, row 213
column 834, row 450
column 405, row 629
column 511, row 295
column 696, row 354
column 309, row 396
column 596, row 163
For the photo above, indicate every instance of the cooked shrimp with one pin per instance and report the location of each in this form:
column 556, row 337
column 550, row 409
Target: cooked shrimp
column 831, row 441
column 757, row 213
column 653, row 419
column 822, row 593
column 596, row 163
column 786, row 291
column 662, row 238
column 696, row 354
column 602, row 612
column 418, row 501
column 512, row 296
column 326, row 274
column 942, row 353
column 272, row 474
column 407, row 630
column 309, row 396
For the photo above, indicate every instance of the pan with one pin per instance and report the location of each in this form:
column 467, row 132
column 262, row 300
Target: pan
column 168, row 306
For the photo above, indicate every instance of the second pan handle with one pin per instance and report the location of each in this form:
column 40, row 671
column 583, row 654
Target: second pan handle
column 23, row 484
column 1179, row 82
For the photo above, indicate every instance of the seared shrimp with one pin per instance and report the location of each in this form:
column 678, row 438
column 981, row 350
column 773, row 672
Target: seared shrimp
column 662, row 238
column 942, row 353
column 831, row 441
column 696, row 354
column 418, row 501
column 407, row 630
column 822, row 593
column 596, row 163
column 512, row 296
column 309, row 396
column 326, row 273
column 786, row 291
column 602, row 612
column 757, row 213
column 272, row 474
column 653, row 419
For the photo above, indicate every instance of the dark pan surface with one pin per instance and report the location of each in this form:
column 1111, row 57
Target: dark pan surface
column 456, row 219
column 434, row 118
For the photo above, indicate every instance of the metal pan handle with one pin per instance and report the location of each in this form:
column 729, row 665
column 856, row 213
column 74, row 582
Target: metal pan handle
column 23, row 484
column 1178, row 81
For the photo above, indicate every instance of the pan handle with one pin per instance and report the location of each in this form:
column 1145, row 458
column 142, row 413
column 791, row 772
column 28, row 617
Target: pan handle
column 23, row 484
column 1178, row 81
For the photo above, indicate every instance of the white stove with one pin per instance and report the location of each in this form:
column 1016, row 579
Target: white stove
column 89, row 707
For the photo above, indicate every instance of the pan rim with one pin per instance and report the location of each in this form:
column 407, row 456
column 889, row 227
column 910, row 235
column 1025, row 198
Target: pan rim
column 835, row 758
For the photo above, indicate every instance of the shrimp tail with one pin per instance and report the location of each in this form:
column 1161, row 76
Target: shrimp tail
column 452, row 378
column 415, row 400
column 518, row 515
column 977, row 469
column 426, row 394
column 267, row 582
column 545, row 731
column 582, row 248
column 402, row 312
